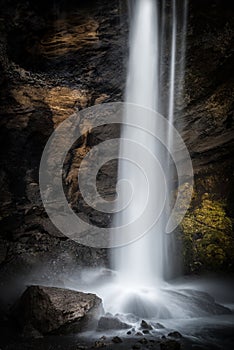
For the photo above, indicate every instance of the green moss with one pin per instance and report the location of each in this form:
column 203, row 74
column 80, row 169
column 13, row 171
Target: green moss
column 208, row 240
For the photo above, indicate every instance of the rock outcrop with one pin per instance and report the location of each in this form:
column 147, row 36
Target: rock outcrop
column 55, row 310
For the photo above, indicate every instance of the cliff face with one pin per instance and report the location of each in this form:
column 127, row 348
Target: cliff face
column 53, row 62
column 57, row 58
column 208, row 132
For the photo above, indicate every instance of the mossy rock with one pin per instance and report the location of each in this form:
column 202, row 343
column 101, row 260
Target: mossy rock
column 207, row 236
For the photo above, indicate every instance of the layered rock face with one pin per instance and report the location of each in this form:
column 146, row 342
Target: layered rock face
column 208, row 132
column 59, row 58
column 55, row 61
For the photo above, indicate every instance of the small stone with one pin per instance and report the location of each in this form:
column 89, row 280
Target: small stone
column 170, row 345
column 117, row 340
column 145, row 325
column 99, row 344
column 139, row 334
column 103, row 337
column 129, row 332
column 163, row 337
column 143, row 341
column 175, row 334
column 145, row 331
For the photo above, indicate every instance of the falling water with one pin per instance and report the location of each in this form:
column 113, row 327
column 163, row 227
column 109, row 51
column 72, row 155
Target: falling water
column 175, row 83
column 135, row 259
column 144, row 262
column 140, row 288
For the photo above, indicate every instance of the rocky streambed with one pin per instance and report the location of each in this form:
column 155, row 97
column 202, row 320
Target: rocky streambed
column 58, row 318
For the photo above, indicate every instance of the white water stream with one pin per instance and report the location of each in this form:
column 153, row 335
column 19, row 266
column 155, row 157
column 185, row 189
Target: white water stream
column 145, row 262
column 138, row 285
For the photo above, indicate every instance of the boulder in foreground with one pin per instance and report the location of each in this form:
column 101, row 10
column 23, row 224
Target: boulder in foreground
column 57, row 310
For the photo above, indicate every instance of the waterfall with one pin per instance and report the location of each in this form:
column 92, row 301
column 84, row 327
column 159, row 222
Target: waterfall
column 143, row 262
column 136, row 259
column 175, row 83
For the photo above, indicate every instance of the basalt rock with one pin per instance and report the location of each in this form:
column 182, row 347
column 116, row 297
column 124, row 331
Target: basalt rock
column 117, row 340
column 145, row 325
column 111, row 323
column 55, row 310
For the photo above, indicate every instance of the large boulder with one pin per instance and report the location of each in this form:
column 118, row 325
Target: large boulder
column 56, row 310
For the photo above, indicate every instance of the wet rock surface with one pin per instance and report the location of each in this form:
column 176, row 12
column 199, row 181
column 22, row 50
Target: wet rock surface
column 145, row 325
column 44, row 310
column 55, row 312
column 175, row 334
column 42, row 86
column 111, row 323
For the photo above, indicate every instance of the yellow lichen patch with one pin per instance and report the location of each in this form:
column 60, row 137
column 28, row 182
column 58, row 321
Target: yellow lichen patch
column 208, row 234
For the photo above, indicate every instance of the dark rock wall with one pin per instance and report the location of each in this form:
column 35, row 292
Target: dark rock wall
column 208, row 132
column 58, row 57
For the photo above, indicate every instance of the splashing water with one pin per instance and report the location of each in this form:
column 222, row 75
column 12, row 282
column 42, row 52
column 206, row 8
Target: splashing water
column 135, row 259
